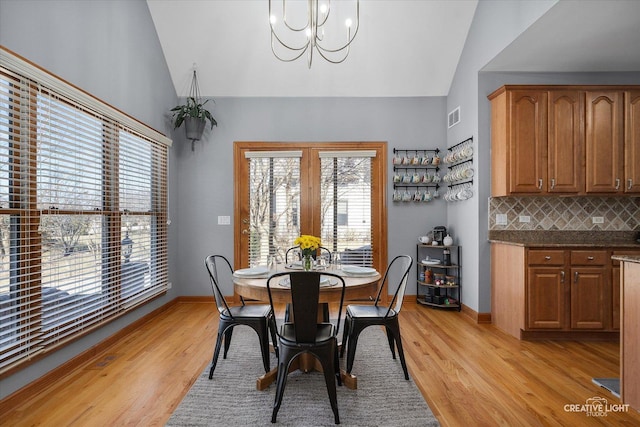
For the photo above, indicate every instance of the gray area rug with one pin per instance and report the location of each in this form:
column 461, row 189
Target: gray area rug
column 383, row 397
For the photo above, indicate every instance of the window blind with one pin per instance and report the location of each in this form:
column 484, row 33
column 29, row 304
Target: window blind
column 83, row 208
column 274, row 205
column 345, row 200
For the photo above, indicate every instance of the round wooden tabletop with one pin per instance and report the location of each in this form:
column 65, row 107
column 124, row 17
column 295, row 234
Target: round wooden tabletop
column 360, row 287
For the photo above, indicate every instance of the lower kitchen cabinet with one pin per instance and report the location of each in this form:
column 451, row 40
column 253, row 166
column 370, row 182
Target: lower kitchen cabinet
column 555, row 292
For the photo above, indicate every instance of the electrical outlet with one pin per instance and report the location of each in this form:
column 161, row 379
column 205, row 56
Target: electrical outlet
column 597, row 220
column 501, row 219
column 224, row 220
column 524, row 218
column 169, row 285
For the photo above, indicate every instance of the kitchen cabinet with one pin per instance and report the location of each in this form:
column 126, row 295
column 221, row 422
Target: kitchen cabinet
column 565, row 146
column 519, row 142
column 556, row 292
column 604, row 141
column 632, row 142
column 590, row 299
column 565, row 140
column 546, row 290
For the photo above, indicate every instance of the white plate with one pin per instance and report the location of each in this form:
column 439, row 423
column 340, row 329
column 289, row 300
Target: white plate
column 355, row 270
column 252, row 272
column 430, row 261
column 324, row 282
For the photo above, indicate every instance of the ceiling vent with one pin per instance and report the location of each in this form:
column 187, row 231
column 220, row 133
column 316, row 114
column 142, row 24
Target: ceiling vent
column 454, row 118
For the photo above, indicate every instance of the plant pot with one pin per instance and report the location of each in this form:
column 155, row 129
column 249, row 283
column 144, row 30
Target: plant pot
column 194, row 128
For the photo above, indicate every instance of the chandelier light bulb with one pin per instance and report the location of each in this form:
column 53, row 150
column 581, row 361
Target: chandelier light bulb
column 348, row 22
column 323, row 9
column 272, row 19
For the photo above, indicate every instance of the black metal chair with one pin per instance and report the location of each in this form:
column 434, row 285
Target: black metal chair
column 259, row 317
column 295, row 254
column 303, row 333
column 359, row 317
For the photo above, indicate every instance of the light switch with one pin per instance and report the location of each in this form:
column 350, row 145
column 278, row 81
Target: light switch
column 501, row 219
column 224, row 220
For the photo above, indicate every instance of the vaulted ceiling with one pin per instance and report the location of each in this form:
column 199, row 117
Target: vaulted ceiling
column 403, row 48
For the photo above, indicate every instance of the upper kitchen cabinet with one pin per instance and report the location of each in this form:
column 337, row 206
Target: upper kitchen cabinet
column 518, row 141
column 565, row 140
column 605, row 141
column 632, row 142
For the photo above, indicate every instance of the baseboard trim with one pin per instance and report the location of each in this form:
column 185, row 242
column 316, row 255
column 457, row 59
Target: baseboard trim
column 479, row 318
column 56, row 374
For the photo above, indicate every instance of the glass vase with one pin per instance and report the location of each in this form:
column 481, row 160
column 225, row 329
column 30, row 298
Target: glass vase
column 307, row 262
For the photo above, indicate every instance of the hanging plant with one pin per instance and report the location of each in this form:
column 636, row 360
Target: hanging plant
column 193, row 114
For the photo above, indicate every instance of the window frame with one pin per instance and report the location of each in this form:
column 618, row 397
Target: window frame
column 26, row 242
column 310, row 199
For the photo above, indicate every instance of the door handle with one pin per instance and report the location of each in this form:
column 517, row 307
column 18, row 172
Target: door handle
column 590, row 258
column 540, row 184
column 630, row 184
column 553, row 183
column 562, row 276
column 547, row 258
column 575, row 277
column 617, row 183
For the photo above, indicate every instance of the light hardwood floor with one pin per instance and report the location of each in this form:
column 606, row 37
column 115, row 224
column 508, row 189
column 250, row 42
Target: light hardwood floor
column 470, row 375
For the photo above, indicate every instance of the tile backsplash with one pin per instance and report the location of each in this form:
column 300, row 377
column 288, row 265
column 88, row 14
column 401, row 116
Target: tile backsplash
column 566, row 213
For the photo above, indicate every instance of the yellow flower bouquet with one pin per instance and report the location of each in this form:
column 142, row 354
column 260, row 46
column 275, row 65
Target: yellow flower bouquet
column 308, row 246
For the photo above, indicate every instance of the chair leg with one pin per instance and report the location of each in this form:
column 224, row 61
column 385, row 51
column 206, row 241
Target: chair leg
column 336, row 365
column 227, row 341
column 281, row 380
column 329, row 377
column 272, row 330
column 354, row 333
column 390, row 338
column 395, row 328
column 216, row 353
column 263, row 334
column 345, row 334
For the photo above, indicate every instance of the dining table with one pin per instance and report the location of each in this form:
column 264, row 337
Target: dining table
column 360, row 284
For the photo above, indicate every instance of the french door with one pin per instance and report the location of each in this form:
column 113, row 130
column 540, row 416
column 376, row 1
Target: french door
column 335, row 191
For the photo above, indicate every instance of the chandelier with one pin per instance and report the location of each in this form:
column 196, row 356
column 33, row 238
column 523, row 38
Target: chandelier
column 311, row 36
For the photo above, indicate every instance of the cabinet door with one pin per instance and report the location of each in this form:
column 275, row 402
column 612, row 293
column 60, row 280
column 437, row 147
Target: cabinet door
column 566, row 142
column 546, row 298
column 588, row 302
column 527, row 141
column 604, row 141
column 632, row 143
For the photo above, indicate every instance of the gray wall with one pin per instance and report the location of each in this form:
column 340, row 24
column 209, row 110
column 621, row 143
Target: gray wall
column 111, row 50
column 495, row 25
column 205, row 188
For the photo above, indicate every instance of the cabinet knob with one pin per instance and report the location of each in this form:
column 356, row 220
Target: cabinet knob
column 590, row 258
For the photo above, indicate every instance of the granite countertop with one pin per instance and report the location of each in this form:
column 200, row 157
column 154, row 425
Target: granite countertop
column 627, row 258
column 543, row 238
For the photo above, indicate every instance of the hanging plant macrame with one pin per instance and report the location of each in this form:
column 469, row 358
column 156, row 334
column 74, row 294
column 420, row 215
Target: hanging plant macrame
column 193, row 114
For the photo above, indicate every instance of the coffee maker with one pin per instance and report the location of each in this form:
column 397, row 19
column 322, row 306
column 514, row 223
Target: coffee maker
column 439, row 233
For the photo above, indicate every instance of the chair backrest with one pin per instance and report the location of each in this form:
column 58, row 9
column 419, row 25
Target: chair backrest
column 296, row 254
column 220, row 271
column 397, row 275
column 305, row 296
